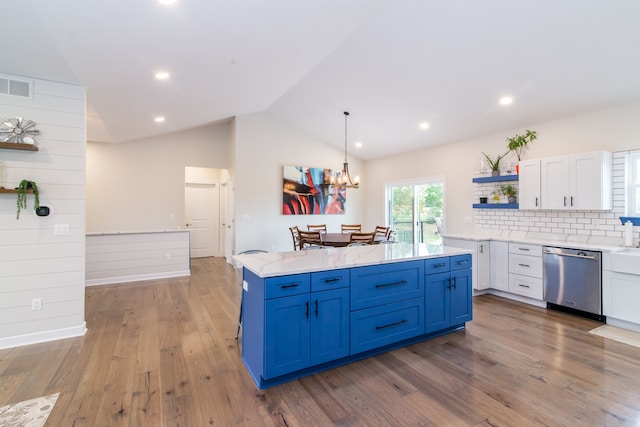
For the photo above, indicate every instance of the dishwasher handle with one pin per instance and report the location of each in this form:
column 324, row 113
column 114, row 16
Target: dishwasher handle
column 570, row 255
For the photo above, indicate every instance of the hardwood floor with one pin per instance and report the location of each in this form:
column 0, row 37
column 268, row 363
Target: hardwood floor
column 163, row 353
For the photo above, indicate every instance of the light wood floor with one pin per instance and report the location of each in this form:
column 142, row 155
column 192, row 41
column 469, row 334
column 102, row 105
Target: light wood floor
column 163, row 353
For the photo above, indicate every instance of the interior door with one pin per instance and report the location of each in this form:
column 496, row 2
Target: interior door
column 202, row 219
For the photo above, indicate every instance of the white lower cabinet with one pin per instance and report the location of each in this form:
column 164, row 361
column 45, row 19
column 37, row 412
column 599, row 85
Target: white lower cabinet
column 499, row 265
column 481, row 260
column 620, row 296
column 525, row 270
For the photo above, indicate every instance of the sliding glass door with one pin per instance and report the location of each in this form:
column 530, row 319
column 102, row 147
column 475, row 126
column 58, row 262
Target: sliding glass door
column 414, row 209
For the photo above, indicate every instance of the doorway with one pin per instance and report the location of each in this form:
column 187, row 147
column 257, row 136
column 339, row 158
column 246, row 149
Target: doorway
column 415, row 210
column 202, row 211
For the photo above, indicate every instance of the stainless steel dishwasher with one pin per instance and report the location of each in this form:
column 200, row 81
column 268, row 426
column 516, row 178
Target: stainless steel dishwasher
column 573, row 280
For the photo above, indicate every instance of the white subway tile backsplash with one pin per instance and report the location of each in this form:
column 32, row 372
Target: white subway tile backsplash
column 583, row 223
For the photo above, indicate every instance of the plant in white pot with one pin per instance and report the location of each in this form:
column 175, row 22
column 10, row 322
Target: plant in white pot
column 518, row 143
column 494, row 163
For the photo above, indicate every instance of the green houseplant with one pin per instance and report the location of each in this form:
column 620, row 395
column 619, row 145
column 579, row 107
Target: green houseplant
column 518, row 143
column 23, row 189
column 494, row 163
column 509, row 191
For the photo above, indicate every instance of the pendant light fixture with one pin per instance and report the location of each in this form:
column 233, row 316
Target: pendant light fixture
column 344, row 179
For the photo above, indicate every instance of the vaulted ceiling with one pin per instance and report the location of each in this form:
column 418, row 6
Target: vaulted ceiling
column 392, row 64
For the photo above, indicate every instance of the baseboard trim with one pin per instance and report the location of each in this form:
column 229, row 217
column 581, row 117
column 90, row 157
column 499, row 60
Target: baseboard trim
column 44, row 336
column 136, row 278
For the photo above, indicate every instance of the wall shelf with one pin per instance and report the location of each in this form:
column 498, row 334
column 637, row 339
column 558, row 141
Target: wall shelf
column 14, row 146
column 500, row 178
column 495, row 205
column 12, row 191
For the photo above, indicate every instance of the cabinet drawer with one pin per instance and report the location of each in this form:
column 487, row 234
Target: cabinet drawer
column 436, row 265
column 386, row 283
column 525, row 249
column 460, row 262
column 525, row 265
column 332, row 279
column 526, row 286
column 379, row 326
column 295, row 284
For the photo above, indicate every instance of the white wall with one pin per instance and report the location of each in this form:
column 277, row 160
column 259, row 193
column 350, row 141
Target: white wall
column 262, row 147
column 35, row 263
column 139, row 185
column 612, row 129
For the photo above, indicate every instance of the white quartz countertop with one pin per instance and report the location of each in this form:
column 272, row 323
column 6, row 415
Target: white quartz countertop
column 283, row 263
column 543, row 239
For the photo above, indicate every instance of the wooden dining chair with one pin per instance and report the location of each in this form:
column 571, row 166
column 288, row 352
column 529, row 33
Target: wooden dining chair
column 309, row 238
column 295, row 235
column 351, row 228
column 318, row 227
column 383, row 231
column 362, row 238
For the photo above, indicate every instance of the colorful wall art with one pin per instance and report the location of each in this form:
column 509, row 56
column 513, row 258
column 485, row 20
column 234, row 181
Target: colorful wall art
column 308, row 191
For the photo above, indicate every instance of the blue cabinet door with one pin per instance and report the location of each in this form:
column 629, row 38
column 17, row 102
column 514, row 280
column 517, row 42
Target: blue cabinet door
column 461, row 309
column 287, row 335
column 329, row 325
column 437, row 301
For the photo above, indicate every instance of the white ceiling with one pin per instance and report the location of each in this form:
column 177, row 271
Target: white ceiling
column 392, row 64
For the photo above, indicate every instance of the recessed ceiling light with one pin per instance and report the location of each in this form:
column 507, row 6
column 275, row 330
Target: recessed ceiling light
column 358, row 144
column 506, row 100
column 167, row 1
column 159, row 119
column 162, row 75
column 424, row 125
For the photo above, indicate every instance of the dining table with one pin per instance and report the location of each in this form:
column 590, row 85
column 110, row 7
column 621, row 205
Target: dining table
column 342, row 239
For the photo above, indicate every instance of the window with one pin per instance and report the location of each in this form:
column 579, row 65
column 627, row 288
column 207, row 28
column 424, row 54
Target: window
column 633, row 184
column 414, row 210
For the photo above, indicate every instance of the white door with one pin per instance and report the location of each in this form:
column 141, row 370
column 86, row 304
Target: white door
column 227, row 211
column 529, row 184
column 203, row 218
column 555, row 182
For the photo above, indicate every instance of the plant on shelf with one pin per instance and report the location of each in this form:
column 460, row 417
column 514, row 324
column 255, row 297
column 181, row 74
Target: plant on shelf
column 509, row 191
column 494, row 163
column 23, row 188
column 518, row 143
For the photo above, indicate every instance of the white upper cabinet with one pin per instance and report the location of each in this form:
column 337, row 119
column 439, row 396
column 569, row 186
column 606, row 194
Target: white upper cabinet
column 529, row 184
column 578, row 181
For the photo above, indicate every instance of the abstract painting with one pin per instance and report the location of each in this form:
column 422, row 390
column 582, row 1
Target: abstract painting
column 308, row 191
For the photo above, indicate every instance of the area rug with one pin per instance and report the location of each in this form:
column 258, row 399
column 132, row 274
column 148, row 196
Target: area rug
column 29, row 413
column 617, row 334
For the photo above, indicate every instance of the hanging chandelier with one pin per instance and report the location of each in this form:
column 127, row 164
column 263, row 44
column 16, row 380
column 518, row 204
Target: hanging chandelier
column 343, row 180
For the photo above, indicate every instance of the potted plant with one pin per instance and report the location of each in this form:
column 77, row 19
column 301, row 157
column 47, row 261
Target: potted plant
column 494, row 163
column 518, row 143
column 509, row 191
column 23, row 189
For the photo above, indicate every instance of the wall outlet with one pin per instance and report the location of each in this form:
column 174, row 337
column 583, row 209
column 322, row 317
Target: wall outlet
column 61, row 229
column 36, row 304
column 167, row 257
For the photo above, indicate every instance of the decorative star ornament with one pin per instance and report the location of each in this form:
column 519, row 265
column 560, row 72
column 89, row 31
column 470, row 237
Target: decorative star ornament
column 18, row 130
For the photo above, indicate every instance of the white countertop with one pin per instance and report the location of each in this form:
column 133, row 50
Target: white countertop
column 593, row 243
column 283, row 263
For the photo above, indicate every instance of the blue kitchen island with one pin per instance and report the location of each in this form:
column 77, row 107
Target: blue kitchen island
column 307, row 311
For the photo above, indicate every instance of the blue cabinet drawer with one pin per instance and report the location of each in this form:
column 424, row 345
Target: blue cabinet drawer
column 386, row 283
column 460, row 262
column 282, row 286
column 379, row 326
column 332, row 279
column 436, row 265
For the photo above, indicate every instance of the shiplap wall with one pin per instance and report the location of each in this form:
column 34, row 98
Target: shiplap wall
column 133, row 256
column 34, row 262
